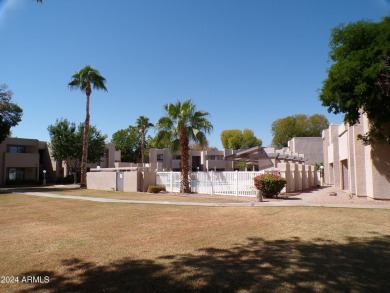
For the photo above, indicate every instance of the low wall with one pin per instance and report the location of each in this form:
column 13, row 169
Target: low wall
column 298, row 177
column 132, row 181
column 101, row 180
column 149, row 178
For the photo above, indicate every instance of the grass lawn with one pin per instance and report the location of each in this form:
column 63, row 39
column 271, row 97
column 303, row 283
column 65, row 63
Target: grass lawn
column 108, row 247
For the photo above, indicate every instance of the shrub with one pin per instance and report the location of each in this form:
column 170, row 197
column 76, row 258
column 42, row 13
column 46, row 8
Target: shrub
column 270, row 185
column 155, row 188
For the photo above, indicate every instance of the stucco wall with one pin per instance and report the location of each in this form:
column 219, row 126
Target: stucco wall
column 334, row 134
column 130, row 181
column 359, row 162
column 343, row 146
column 365, row 170
column 101, row 180
column 311, row 147
column 380, row 157
column 149, row 178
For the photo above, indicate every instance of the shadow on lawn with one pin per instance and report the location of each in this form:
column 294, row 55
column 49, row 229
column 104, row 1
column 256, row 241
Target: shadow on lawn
column 48, row 188
column 358, row 265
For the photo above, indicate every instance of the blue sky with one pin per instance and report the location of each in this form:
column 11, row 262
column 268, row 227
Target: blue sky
column 246, row 62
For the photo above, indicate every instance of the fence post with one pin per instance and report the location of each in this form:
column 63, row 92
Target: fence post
column 236, row 183
column 171, row 181
column 212, row 182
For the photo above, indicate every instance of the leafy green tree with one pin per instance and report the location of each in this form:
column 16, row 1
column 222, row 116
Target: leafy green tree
column 66, row 142
column 10, row 113
column 84, row 80
column 298, row 125
column 96, row 143
column 249, row 139
column 202, row 147
column 128, row 141
column 181, row 125
column 231, row 139
column 237, row 139
column 143, row 125
column 358, row 79
column 63, row 141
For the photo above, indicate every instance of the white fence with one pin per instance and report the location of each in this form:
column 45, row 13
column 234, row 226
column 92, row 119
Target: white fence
column 221, row 183
column 236, row 183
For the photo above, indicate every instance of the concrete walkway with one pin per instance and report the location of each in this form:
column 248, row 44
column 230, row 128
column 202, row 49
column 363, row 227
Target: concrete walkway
column 315, row 198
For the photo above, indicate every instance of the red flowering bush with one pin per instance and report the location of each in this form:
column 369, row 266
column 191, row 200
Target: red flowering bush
column 270, row 185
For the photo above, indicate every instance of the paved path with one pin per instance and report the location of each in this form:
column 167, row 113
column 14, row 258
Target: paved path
column 300, row 200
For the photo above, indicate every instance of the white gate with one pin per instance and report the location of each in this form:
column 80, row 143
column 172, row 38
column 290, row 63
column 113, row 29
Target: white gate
column 171, row 180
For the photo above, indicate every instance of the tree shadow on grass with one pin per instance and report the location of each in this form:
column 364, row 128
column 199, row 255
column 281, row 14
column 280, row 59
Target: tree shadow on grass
column 22, row 189
column 258, row 265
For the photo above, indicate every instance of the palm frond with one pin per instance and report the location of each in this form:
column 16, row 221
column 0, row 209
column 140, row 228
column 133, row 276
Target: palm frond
column 87, row 76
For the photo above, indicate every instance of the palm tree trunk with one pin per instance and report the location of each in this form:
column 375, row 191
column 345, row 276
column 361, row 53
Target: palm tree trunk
column 143, row 146
column 84, row 158
column 185, row 184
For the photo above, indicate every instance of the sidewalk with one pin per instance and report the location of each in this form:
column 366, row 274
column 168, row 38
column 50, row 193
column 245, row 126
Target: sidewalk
column 322, row 196
column 311, row 198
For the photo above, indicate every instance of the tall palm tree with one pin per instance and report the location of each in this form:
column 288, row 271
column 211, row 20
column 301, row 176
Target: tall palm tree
column 143, row 124
column 86, row 79
column 181, row 125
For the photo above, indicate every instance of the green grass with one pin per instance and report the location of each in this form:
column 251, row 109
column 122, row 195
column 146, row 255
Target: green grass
column 95, row 247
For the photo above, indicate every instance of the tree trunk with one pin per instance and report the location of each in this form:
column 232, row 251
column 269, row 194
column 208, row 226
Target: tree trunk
column 185, row 184
column 74, row 176
column 143, row 146
column 84, row 158
column 259, row 195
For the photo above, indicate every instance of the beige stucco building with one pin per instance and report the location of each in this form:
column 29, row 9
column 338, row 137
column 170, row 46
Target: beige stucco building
column 310, row 147
column 351, row 166
column 26, row 160
column 257, row 158
column 207, row 160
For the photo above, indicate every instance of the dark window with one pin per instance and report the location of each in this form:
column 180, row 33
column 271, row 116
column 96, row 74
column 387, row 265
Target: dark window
column 16, row 173
column 214, row 157
column 196, row 163
column 160, row 157
column 17, row 149
column 42, row 154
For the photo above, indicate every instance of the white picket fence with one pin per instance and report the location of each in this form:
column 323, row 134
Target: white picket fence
column 221, row 183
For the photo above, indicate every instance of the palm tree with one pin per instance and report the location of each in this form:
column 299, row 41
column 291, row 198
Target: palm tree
column 143, row 124
column 181, row 125
column 86, row 79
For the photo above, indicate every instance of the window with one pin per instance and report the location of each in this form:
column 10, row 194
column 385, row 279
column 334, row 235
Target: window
column 14, row 149
column 214, row 157
column 16, row 174
column 160, row 157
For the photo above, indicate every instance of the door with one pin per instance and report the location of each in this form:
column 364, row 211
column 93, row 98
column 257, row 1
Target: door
column 119, row 181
